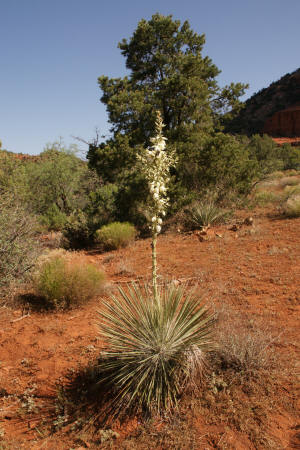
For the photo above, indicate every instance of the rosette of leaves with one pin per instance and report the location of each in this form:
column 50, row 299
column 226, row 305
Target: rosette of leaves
column 154, row 348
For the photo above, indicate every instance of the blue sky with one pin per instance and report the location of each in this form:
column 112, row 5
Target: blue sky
column 52, row 52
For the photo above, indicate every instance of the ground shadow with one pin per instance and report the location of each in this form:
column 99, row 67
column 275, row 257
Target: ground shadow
column 35, row 303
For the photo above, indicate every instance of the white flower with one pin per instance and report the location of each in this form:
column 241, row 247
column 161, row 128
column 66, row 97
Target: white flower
column 161, row 145
column 156, row 196
column 158, row 228
column 159, row 221
column 153, row 219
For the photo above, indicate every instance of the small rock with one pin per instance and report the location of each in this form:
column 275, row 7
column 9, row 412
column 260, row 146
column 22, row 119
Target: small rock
column 248, row 221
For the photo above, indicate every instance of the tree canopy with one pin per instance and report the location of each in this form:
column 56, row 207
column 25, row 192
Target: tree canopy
column 167, row 72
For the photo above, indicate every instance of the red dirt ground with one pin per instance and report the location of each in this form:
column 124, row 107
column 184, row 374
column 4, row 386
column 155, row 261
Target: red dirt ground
column 286, row 140
column 255, row 270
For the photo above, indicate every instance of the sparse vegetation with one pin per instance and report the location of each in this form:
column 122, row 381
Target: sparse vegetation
column 263, row 198
column 115, row 235
column 163, row 362
column 19, row 247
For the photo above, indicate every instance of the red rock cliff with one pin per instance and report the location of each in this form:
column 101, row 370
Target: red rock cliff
column 284, row 123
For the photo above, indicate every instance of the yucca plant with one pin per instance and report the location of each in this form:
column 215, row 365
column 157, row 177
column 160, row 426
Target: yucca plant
column 155, row 338
column 154, row 348
column 202, row 214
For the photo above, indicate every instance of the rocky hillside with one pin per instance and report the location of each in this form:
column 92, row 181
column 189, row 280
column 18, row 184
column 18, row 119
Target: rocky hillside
column 274, row 110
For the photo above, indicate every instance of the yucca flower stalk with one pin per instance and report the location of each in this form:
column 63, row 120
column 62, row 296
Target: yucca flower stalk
column 155, row 338
column 156, row 163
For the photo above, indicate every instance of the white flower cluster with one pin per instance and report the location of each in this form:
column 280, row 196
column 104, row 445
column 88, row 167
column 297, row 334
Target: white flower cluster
column 156, row 164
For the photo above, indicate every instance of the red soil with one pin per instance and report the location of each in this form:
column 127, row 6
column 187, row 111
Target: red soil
column 255, row 270
column 287, row 140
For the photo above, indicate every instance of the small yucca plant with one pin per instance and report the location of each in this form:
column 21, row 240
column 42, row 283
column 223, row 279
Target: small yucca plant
column 154, row 348
column 205, row 213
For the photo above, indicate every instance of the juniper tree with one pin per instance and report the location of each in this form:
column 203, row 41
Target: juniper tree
column 167, row 72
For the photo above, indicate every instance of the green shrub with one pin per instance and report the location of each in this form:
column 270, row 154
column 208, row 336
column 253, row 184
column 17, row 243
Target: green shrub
column 153, row 350
column 54, row 219
column 19, row 245
column 202, row 214
column 115, row 235
column 78, row 231
column 64, row 282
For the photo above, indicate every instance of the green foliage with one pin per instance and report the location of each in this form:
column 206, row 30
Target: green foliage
column 115, row 235
column 153, row 350
column 115, row 163
column 205, row 213
column 267, row 154
column 18, row 242
column 64, row 283
column 290, row 157
column 272, row 157
column 78, row 230
column 102, row 207
column 14, row 180
column 220, row 161
column 167, row 73
column 57, row 179
column 54, row 219
column 51, row 185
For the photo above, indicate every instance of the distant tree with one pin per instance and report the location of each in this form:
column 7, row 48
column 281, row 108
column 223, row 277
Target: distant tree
column 52, row 185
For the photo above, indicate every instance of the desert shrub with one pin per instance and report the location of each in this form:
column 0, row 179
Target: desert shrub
column 64, row 282
column 263, row 198
column 54, row 219
column 291, row 207
column 267, row 154
column 290, row 157
column 275, row 175
column 115, row 235
column 19, row 245
column 289, row 181
column 78, row 232
column 246, row 352
column 154, row 349
column 201, row 214
column 290, row 191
